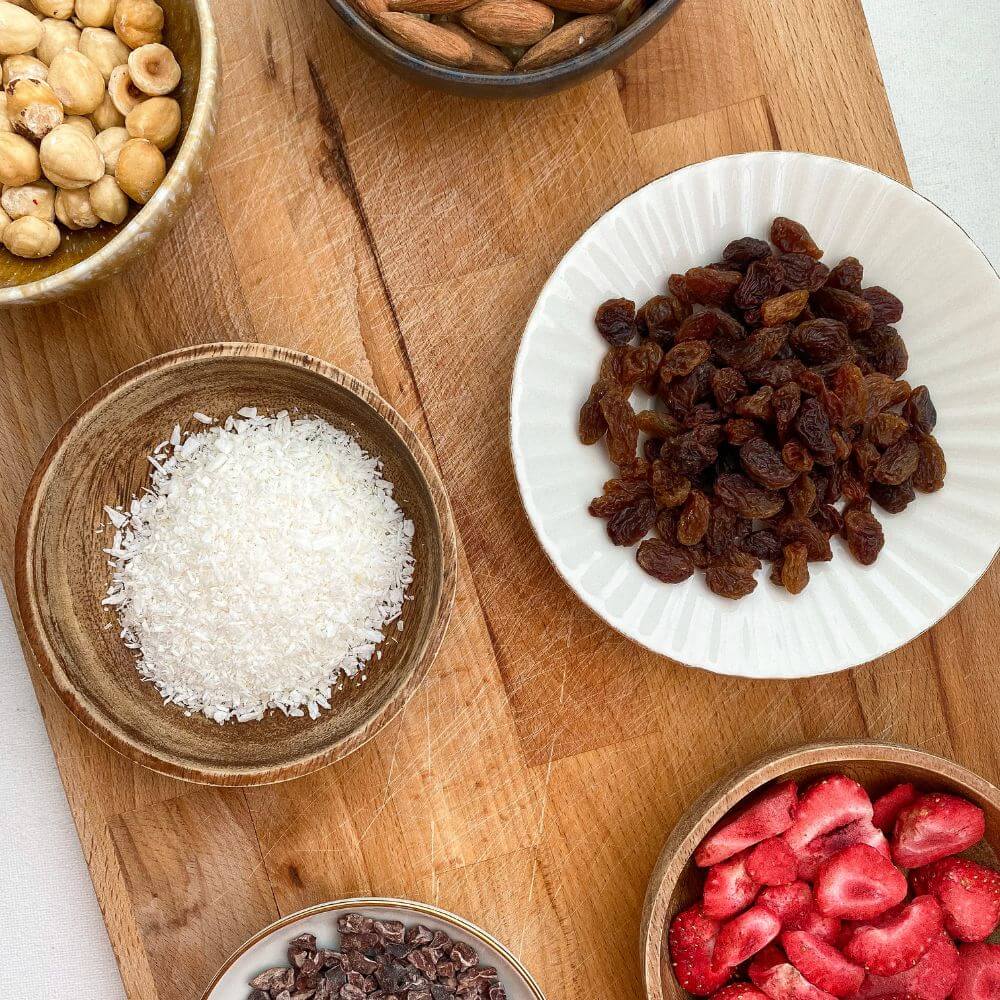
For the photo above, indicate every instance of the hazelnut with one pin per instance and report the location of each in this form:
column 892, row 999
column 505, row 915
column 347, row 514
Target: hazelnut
column 74, row 209
column 4, row 222
column 125, row 95
column 37, row 199
column 16, row 67
column 78, row 83
column 56, row 36
column 31, row 237
column 108, row 200
column 95, row 13
column 104, row 49
column 138, row 22
column 62, row 10
column 78, row 121
column 140, row 170
column 5, row 125
column 20, row 30
column 106, row 115
column 110, row 142
column 19, row 163
column 154, row 70
column 70, row 158
column 33, row 108
column 158, row 120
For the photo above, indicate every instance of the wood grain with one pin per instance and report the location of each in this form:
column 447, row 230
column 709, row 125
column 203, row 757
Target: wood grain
column 403, row 236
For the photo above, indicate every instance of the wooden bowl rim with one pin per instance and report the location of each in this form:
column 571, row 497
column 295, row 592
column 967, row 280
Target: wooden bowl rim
column 105, row 727
column 713, row 804
column 185, row 169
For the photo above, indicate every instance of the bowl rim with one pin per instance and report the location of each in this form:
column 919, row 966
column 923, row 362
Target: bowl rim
column 511, row 83
column 716, row 801
column 198, row 137
column 380, row 902
column 102, row 725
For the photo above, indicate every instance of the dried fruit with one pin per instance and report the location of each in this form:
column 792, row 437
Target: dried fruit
column 931, row 466
column 935, row 826
column 631, row 523
column 692, row 939
column 623, row 431
column 822, row 340
column 669, row 563
column 885, row 306
column 802, row 271
column 592, row 425
column 863, row 533
column 795, row 568
column 898, row 463
column 850, row 309
column 747, row 499
column 616, row 321
column 894, row 499
column 764, row 280
column 683, row 358
column 847, row 275
column 793, row 237
column 710, row 286
column 784, row 308
column 762, row 463
column 742, row 252
column 920, row 411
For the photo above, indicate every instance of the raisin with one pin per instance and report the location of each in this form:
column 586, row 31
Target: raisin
column 883, row 349
column 666, row 525
column 760, row 346
column 827, row 519
column 758, row 406
column 886, row 307
column 886, row 428
column 592, row 424
column 616, row 321
column 641, row 364
column 762, row 463
column 883, row 393
column 812, row 424
column 795, row 568
column 920, row 411
column 898, row 463
column 809, row 534
column 683, row 358
column 623, row 432
column 785, row 405
column 618, row 494
column 931, row 466
column 801, row 271
column 792, row 237
column 727, row 386
column 741, row 430
column 657, row 423
column 822, row 341
column 660, row 317
column 802, row 496
column 850, row 309
column 763, row 544
column 669, row 489
column 847, row 275
column 693, row 522
column 744, row 251
column 796, row 456
column 894, row 499
column 863, row 533
column 613, row 363
column 746, row 498
column 764, row 280
column 711, row 287
column 678, row 288
column 666, row 562
column 731, row 574
column 698, row 326
column 849, row 386
column 691, row 452
column 784, row 308
column 632, row 522
column 775, row 373
column 724, row 526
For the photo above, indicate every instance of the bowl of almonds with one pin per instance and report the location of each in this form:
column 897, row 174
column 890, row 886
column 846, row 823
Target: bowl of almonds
column 502, row 48
column 106, row 116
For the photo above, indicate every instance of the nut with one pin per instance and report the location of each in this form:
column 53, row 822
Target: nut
column 16, row 67
column 59, row 9
column 37, row 199
column 138, row 22
column 154, row 70
column 104, row 49
column 425, row 39
column 158, row 120
column 110, row 142
column 20, row 30
column 78, row 83
column 4, row 222
column 107, row 115
column 508, row 22
column 31, row 237
column 575, row 36
column 56, row 36
column 33, row 108
column 19, row 163
column 108, row 200
column 78, row 121
column 125, row 95
column 95, row 13
column 140, row 170
column 5, row 125
column 74, row 209
column 71, row 159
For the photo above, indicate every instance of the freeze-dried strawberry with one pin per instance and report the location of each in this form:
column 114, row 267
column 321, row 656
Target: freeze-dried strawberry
column 785, row 982
column 968, row 893
column 822, row 964
column 728, row 888
column 692, row 940
column 772, row 862
column 770, row 814
column 979, row 973
column 888, row 807
column 823, row 848
column 825, row 928
column 740, row 991
column 743, row 936
column 899, row 940
column 788, row 903
column 858, row 884
column 932, row 978
column 831, row 803
column 767, row 959
column 936, row 826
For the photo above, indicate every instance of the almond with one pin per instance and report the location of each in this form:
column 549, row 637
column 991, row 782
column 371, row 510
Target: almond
column 430, row 6
column 509, row 22
column 485, row 57
column 371, row 10
column 585, row 6
column 577, row 36
column 422, row 38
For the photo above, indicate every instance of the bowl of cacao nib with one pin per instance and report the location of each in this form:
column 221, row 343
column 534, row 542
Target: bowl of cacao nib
column 752, row 420
column 380, row 948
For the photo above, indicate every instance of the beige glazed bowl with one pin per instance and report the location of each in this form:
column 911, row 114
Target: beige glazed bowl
column 90, row 255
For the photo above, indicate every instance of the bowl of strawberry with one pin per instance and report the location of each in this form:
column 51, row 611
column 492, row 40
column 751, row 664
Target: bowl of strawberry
column 842, row 871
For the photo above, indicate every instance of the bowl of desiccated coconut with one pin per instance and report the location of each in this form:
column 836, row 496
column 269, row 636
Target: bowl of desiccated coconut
column 235, row 564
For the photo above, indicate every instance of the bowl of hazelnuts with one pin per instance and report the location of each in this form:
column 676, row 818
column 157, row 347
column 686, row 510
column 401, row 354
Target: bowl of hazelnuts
column 107, row 114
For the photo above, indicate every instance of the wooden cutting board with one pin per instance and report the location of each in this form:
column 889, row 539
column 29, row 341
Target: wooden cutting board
column 404, row 235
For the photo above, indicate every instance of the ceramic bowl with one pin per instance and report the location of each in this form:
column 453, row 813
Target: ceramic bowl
column 89, row 255
column 98, row 458
column 676, row 881
column 267, row 949
column 533, row 83
column 935, row 551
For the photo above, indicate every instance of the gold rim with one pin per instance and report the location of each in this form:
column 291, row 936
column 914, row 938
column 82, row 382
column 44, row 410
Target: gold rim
column 381, row 903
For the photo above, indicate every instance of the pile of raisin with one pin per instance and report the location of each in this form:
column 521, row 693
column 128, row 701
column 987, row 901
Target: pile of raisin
column 782, row 417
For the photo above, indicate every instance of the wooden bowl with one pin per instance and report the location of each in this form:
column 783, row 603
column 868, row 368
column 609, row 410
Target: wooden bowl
column 89, row 255
column 676, row 881
column 99, row 457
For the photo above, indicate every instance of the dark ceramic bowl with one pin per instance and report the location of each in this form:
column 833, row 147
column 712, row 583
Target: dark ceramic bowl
column 533, row 83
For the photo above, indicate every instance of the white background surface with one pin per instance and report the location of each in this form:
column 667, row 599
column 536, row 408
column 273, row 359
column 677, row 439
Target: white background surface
column 943, row 78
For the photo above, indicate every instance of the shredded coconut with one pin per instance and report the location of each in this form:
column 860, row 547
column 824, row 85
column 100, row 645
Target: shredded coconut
column 260, row 566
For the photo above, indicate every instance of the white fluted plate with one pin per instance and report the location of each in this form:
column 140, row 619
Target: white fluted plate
column 934, row 552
